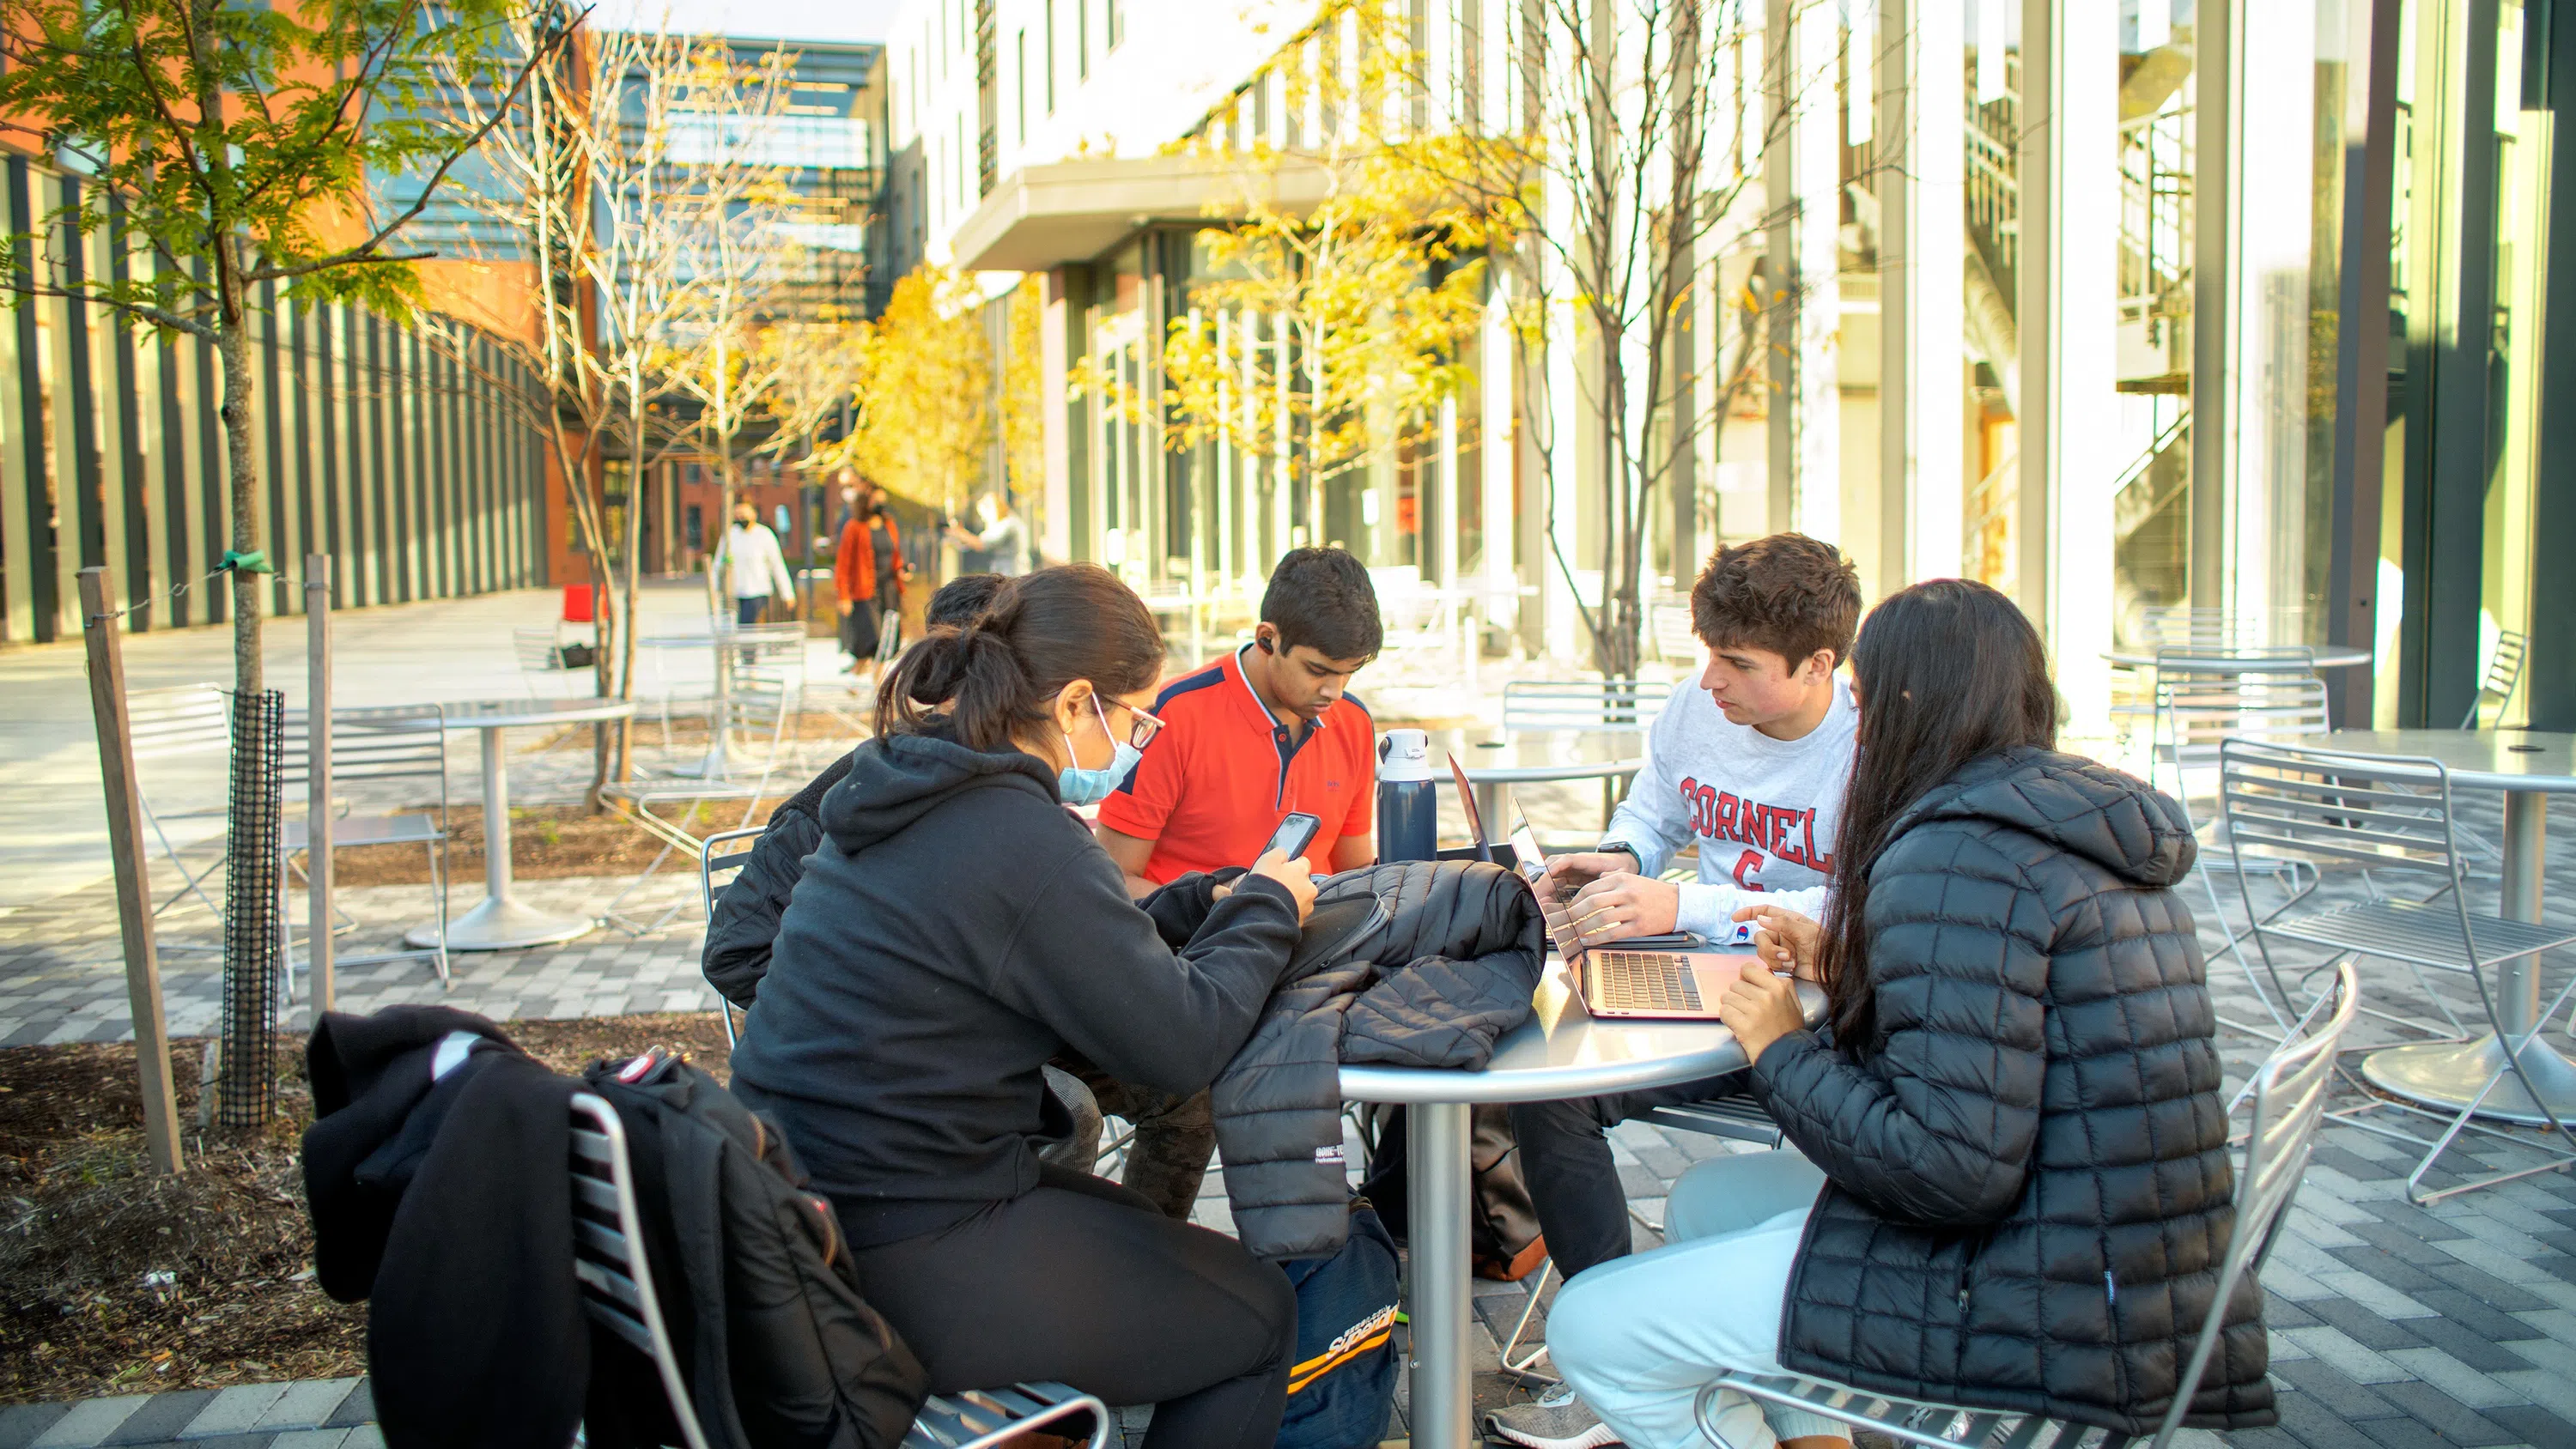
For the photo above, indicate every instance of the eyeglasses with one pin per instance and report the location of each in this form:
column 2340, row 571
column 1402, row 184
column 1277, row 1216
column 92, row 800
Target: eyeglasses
column 1146, row 726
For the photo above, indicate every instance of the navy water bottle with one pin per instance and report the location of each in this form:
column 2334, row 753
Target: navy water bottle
column 1408, row 801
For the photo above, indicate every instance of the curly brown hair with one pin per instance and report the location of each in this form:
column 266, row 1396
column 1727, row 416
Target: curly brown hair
column 1787, row 593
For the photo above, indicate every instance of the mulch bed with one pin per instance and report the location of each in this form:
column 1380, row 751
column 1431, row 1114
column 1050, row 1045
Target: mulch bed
column 547, row 842
column 113, row 1281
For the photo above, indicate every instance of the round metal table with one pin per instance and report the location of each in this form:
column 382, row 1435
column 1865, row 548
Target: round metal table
column 1494, row 758
column 500, row 923
column 2528, row 767
column 1562, row 1052
column 2324, row 656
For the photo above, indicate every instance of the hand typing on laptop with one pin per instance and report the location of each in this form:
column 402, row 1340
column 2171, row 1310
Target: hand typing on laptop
column 1621, row 904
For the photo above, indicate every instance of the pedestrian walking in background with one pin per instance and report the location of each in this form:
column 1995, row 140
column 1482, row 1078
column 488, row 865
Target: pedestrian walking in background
column 1003, row 541
column 752, row 566
column 868, row 572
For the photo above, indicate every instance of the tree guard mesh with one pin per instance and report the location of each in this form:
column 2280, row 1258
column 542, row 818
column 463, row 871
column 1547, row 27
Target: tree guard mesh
column 251, row 923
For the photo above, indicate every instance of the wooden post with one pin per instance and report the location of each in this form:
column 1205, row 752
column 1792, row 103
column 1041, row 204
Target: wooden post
column 317, row 738
column 133, row 885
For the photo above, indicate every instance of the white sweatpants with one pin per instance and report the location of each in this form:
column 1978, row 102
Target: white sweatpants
column 1639, row 1336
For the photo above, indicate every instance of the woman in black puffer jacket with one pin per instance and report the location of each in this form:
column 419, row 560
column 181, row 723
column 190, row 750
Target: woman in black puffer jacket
column 2012, row 1115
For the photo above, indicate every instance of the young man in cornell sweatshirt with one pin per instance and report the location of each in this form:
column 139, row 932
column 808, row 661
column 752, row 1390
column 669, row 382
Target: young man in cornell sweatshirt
column 1748, row 761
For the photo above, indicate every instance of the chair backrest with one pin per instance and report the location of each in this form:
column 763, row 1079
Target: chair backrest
column 726, row 851
column 2200, row 703
column 536, row 650
column 192, row 719
column 2321, row 804
column 382, row 742
column 2290, row 1091
column 1564, row 704
column 2503, row 676
column 1668, row 621
column 607, row 1233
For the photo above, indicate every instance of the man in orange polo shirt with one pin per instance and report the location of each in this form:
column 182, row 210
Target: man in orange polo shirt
column 1267, row 730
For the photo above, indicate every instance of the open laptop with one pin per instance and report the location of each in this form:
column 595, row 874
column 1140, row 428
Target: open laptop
column 1621, row 978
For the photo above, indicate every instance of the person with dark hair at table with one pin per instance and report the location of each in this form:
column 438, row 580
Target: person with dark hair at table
column 1268, row 729
column 954, row 931
column 2010, row 1186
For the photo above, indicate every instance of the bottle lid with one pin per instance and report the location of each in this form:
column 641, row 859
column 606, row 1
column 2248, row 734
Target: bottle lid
column 1404, row 754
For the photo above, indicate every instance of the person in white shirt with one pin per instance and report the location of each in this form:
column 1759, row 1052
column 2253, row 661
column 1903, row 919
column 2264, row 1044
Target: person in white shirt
column 1749, row 762
column 1004, row 539
column 752, row 566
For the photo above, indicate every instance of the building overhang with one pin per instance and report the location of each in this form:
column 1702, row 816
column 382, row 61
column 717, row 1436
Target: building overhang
column 1067, row 212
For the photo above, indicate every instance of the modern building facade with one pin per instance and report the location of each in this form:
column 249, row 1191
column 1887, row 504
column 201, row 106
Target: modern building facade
column 2127, row 308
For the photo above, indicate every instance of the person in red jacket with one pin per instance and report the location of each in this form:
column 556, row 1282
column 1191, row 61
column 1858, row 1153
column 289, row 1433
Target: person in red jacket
column 868, row 573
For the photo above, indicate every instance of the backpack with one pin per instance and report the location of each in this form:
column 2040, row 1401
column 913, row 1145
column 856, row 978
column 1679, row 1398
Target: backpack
column 1341, row 1388
column 1503, row 1239
column 756, row 1283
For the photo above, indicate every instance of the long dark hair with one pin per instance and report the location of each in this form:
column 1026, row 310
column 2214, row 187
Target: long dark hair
column 1948, row 672
column 999, row 670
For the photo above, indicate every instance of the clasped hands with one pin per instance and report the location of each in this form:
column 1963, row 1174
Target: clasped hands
column 1615, row 903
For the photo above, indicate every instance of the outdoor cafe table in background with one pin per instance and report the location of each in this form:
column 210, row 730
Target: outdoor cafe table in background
column 1562, row 1052
column 2529, row 768
column 1494, row 758
column 721, row 641
column 2326, row 656
column 500, row 923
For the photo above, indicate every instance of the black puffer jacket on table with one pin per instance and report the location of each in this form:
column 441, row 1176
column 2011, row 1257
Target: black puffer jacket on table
column 2030, row 1182
column 1411, row 963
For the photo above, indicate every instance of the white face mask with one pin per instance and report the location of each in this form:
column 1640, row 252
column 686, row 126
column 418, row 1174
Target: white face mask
column 1079, row 786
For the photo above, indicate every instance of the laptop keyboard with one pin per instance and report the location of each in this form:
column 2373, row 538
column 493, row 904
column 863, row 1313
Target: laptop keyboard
column 1643, row 981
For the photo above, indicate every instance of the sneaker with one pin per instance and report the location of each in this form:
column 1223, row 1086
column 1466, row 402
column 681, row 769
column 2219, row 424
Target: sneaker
column 1557, row 1419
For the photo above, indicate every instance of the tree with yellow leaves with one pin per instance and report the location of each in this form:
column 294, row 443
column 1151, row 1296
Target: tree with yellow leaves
column 1328, row 336
column 924, row 415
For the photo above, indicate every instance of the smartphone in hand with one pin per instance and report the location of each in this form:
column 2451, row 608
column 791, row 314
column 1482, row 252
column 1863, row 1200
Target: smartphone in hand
column 1296, row 831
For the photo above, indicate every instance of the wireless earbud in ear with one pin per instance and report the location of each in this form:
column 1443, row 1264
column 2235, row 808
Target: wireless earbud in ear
column 1264, row 645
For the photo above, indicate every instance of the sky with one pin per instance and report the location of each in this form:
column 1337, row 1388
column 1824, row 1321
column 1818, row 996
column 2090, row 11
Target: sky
column 758, row 19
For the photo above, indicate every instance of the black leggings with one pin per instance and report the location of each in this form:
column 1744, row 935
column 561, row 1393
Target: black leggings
column 1083, row 1282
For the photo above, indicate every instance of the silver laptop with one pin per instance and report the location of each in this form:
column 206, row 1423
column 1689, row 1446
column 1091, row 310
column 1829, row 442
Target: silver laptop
column 1617, row 979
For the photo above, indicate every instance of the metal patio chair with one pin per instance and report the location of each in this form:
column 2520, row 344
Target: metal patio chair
column 754, row 709
column 1586, row 704
column 617, row 1290
column 2503, row 676
column 2289, row 1093
column 726, row 850
column 404, row 744
column 190, row 722
column 2200, row 702
column 2374, row 809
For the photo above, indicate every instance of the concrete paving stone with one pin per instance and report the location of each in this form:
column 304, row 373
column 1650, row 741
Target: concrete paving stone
column 90, row 1422
column 2265, row 1439
column 2343, row 1352
column 2320, row 1425
column 2474, row 1349
column 2401, row 1433
column 2280, row 1312
column 2379, row 1263
column 2365, row 1325
column 2549, row 1388
column 2329, row 1380
column 20, row 1424
column 2453, row 1421
column 2535, row 1425
column 358, row 1408
column 2484, row 1287
column 2470, row 1386
column 2478, row 1317
column 2337, row 1157
column 2321, row 1232
column 234, row 1410
column 163, row 1417
column 311, row 1439
column 308, row 1403
column 257, row 1439
column 364, row 1436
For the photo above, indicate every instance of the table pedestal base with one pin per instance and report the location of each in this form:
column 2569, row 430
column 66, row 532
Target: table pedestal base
column 2448, row 1075
column 1438, row 1178
column 502, row 924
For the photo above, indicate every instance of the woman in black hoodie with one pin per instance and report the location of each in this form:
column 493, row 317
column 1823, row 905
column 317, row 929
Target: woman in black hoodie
column 954, row 930
column 2015, row 1187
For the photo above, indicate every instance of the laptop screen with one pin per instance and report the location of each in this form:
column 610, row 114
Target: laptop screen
column 1532, row 865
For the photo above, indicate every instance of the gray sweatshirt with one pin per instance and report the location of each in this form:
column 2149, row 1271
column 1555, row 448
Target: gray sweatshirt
column 1763, row 811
